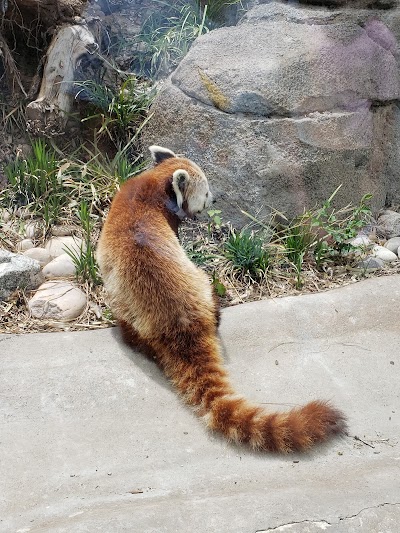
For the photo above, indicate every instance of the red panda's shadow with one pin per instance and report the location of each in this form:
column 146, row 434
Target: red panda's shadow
column 144, row 358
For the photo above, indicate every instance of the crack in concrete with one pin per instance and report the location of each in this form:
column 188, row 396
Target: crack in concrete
column 341, row 518
column 324, row 524
column 2, row 339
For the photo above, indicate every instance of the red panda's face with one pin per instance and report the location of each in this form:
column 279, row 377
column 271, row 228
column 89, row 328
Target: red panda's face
column 189, row 182
column 198, row 196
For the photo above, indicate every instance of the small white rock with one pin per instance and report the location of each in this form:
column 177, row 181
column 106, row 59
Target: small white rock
column 58, row 245
column 383, row 253
column 40, row 254
column 33, row 229
column 393, row 244
column 5, row 215
column 25, row 244
column 60, row 267
column 62, row 231
column 360, row 242
column 57, row 300
column 22, row 212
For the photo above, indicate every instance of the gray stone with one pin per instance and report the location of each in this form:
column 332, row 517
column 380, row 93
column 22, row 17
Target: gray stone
column 62, row 231
column 58, row 245
column 61, row 266
column 389, row 224
column 393, row 244
column 383, row 253
column 57, row 300
column 377, row 4
column 278, row 110
column 39, row 254
column 18, row 272
column 371, row 263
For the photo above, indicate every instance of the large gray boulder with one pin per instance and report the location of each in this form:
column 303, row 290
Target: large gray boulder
column 287, row 105
column 18, row 272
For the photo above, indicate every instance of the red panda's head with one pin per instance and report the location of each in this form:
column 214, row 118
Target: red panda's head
column 189, row 183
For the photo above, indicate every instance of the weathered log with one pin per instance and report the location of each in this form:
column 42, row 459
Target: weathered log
column 49, row 112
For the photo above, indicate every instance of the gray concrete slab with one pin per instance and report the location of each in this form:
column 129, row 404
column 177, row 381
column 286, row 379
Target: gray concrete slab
column 93, row 438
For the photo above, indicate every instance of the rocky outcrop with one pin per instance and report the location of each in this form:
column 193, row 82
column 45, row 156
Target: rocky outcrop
column 18, row 272
column 287, row 105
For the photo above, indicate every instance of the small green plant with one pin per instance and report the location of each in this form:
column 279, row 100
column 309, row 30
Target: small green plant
column 219, row 287
column 168, row 34
column 119, row 111
column 338, row 227
column 216, row 8
column 37, row 182
column 214, row 220
column 247, row 252
column 298, row 240
column 197, row 253
column 85, row 261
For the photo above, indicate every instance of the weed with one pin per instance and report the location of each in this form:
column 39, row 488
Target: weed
column 247, row 252
column 214, row 220
column 216, row 8
column 298, row 239
column 120, row 111
column 37, row 182
column 85, row 261
column 219, row 287
column 197, row 253
column 167, row 39
column 340, row 226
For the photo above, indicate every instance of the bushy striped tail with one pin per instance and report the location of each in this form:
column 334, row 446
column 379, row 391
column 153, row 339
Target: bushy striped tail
column 206, row 387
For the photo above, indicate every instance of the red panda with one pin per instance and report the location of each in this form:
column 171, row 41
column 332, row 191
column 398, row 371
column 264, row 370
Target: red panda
column 166, row 307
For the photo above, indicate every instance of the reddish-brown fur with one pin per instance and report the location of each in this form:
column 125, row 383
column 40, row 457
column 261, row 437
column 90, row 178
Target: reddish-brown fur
column 166, row 308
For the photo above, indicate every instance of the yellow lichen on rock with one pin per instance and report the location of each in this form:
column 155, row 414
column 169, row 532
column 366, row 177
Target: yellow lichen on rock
column 214, row 92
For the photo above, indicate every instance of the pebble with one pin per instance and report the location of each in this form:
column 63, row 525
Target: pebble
column 389, row 223
column 25, row 244
column 383, row 253
column 62, row 231
column 360, row 242
column 33, row 229
column 40, row 254
column 370, row 263
column 393, row 244
column 57, row 300
column 5, row 215
column 60, row 267
column 57, row 245
column 22, row 212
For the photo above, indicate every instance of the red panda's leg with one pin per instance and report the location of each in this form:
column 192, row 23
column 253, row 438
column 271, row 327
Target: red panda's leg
column 131, row 337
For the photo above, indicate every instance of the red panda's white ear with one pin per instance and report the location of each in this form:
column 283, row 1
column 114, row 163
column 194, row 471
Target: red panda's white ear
column 179, row 181
column 159, row 154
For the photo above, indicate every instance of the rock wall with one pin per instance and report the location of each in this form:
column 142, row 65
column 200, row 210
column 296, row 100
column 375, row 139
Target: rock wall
column 293, row 101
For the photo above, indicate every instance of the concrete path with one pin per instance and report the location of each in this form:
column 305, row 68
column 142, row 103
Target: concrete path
column 93, row 439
